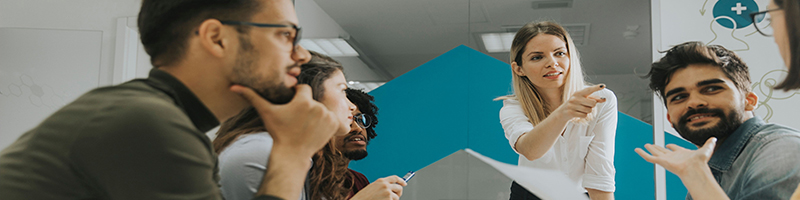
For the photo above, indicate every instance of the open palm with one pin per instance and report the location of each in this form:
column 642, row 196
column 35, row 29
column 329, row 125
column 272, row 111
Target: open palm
column 677, row 159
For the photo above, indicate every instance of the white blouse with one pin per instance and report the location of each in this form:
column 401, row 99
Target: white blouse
column 585, row 153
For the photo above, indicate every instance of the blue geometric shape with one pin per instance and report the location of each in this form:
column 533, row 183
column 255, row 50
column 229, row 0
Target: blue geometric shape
column 635, row 177
column 736, row 10
column 436, row 109
column 446, row 105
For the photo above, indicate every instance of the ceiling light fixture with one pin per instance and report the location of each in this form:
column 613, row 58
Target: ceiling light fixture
column 497, row 42
column 501, row 42
column 336, row 47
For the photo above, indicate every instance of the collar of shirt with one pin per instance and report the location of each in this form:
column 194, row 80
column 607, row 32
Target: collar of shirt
column 727, row 152
column 201, row 117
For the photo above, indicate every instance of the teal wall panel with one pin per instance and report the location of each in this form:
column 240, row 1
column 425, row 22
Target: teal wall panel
column 635, row 177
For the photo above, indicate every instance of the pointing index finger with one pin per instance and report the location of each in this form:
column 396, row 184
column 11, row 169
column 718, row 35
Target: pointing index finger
column 585, row 92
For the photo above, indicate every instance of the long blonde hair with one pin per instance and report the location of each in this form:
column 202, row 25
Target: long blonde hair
column 533, row 105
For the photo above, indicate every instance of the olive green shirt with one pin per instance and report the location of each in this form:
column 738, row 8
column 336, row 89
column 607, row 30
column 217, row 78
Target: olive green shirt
column 144, row 139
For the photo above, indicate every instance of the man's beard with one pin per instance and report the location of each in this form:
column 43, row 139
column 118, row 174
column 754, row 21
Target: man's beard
column 270, row 88
column 724, row 128
column 355, row 154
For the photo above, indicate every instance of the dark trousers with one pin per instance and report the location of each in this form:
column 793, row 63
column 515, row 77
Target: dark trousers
column 520, row 193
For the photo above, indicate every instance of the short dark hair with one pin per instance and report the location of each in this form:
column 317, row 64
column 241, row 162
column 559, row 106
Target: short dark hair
column 363, row 101
column 165, row 25
column 791, row 10
column 683, row 55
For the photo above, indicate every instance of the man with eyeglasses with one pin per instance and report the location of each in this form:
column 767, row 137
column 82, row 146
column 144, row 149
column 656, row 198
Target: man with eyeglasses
column 354, row 145
column 331, row 162
column 145, row 139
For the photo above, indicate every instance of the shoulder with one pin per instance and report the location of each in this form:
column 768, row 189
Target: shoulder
column 774, row 137
column 511, row 107
column 770, row 161
column 242, row 165
column 132, row 102
column 771, row 146
column 356, row 173
column 510, row 101
column 253, row 146
column 132, row 112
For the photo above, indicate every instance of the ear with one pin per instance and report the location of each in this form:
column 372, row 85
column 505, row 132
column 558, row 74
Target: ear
column 751, row 101
column 517, row 69
column 668, row 119
column 214, row 38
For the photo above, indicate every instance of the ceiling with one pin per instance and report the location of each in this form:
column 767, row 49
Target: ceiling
column 396, row 36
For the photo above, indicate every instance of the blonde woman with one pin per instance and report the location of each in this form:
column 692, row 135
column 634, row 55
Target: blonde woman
column 554, row 120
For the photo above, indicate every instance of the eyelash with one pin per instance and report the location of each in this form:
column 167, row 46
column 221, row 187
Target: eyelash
column 560, row 53
column 706, row 89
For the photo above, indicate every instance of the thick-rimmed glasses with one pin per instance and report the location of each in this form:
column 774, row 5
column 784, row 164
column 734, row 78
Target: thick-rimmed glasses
column 260, row 25
column 763, row 15
column 362, row 120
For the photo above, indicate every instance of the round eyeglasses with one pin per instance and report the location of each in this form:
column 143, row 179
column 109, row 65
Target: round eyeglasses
column 295, row 36
column 757, row 17
column 362, row 120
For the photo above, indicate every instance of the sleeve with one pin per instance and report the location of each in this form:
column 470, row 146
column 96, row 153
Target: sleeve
column 242, row 166
column 145, row 150
column 599, row 162
column 514, row 122
column 774, row 172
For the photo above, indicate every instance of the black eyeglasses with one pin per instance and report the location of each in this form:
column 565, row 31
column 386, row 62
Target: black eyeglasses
column 763, row 15
column 362, row 120
column 260, row 25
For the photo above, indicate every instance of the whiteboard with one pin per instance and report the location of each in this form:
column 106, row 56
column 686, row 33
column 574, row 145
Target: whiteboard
column 42, row 70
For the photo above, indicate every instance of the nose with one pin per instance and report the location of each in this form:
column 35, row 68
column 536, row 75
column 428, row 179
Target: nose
column 551, row 62
column 301, row 55
column 351, row 107
column 696, row 102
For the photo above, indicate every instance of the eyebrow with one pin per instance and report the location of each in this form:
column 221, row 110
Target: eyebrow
column 699, row 84
column 674, row 91
column 539, row 52
column 710, row 81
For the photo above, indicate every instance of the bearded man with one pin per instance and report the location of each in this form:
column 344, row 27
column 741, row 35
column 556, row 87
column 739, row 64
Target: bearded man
column 706, row 89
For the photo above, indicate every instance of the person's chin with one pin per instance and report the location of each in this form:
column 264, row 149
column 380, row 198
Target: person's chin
column 290, row 81
column 353, row 147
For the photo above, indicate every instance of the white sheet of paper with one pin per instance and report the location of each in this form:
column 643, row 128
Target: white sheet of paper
column 546, row 184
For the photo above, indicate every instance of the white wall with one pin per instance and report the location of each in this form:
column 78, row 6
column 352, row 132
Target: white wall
column 32, row 88
column 95, row 15
column 101, row 15
column 54, row 51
